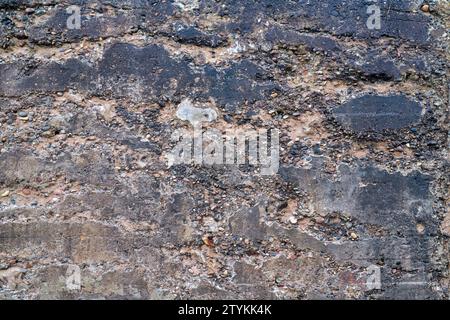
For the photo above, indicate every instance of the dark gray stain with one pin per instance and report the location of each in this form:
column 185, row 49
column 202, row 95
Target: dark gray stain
column 192, row 35
column 377, row 113
column 142, row 74
column 400, row 18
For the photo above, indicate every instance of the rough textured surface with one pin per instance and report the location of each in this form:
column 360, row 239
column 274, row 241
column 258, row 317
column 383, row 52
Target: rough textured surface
column 86, row 119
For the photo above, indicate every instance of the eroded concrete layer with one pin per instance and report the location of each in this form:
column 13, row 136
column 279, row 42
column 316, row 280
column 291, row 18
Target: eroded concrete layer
column 87, row 117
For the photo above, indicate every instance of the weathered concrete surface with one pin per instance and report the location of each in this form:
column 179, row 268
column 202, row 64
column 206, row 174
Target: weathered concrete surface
column 90, row 209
